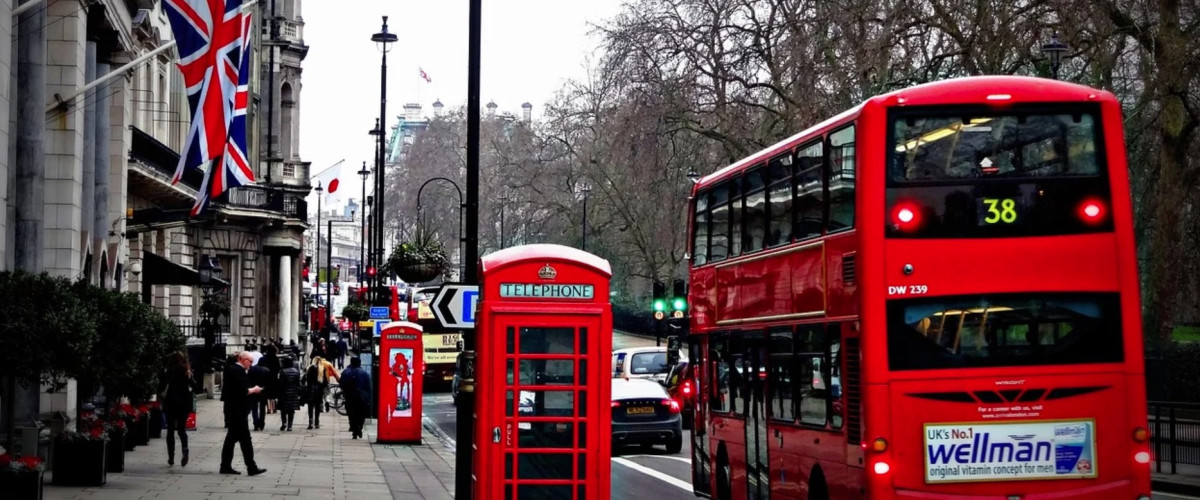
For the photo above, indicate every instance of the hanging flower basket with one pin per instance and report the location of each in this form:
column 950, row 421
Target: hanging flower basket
column 420, row 260
column 419, row 272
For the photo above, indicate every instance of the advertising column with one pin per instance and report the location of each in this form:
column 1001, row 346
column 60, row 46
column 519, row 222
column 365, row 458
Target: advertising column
column 400, row 370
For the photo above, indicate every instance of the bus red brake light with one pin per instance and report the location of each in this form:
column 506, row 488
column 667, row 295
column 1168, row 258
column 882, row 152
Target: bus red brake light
column 1142, row 457
column 905, row 216
column 686, row 388
column 1092, row 211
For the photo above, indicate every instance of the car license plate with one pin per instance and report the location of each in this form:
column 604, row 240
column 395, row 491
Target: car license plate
column 448, row 377
column 640, row 410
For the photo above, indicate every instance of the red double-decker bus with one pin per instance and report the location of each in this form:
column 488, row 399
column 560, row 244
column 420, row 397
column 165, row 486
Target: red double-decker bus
column 932, row 295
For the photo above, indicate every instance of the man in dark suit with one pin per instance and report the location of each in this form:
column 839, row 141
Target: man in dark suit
column 236, row 392
column 356, row 389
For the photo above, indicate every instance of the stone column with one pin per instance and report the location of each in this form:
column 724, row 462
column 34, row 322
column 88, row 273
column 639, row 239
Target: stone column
column 88, row 199
column 65, row 25
column 103, row 139
column 6, row 114
column 29, row 188
column 285, row 298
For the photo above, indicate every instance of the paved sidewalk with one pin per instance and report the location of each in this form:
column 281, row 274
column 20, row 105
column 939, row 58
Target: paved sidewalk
column 318, row 464
column 1186, row 480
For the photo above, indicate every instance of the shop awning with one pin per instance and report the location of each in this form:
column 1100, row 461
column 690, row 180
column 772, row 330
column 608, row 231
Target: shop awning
column 159, row 270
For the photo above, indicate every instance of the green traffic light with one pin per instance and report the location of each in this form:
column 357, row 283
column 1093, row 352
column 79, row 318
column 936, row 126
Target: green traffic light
column 680, row 304
column 660, row 305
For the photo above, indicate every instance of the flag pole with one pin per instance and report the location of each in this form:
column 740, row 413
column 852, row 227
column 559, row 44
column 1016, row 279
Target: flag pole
column 64, row 102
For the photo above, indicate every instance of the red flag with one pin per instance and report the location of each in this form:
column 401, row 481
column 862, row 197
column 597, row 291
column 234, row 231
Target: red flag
column 426, row 77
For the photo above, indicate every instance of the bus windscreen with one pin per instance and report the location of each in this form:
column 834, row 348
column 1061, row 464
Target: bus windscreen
column 1003, row 330
column 972, row 172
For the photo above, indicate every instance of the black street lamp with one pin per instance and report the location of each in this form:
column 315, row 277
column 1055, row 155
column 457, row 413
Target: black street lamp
column 1055, row 51
column 383, row 39
column 461, row 206
column 693, row 175
column 587, row 190
column 362, row 245
column 503, row 199
column 317, row 252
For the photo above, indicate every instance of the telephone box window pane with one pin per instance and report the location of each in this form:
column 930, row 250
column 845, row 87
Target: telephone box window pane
column 511, row 339
column 544, row 466
column 547, row 404
column 509, row 372
column 508, row 492
column 544, row 492
column 582, row 403
column 508, row 466
column 545, row 434
column 583, row 343
column 508, row 403
column 582, row 471
column 581, row 490
column 583, row 371
column 539, row 340
column 582, row 442
column 547, row 372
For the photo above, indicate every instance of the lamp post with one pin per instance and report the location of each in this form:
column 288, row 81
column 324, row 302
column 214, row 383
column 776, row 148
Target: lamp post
column 461, row 205
column 503, row 199
column 465, row 442
column 382, row 39
column 362, row 233
column 693, row 175
column 210, row 270
column 1055, row 50
column 317, row 252
column 587, row 189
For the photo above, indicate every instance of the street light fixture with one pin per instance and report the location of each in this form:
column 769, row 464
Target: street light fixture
column 382, row 39
column 209, row 270
column 1055, row 50
column 587, row 190
column 693, row 175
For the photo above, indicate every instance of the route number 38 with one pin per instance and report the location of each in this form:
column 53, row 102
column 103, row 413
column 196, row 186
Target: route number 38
column 1000, row 210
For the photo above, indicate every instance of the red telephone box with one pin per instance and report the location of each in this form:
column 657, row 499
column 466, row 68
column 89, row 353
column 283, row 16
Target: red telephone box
column 401, row 363
column 543, row 416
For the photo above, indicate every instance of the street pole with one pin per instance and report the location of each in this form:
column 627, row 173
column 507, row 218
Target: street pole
column 464, row 453
column 317, row 252
column 586, row 192
column 329, row 279
column 362, row 234
column 383, row 38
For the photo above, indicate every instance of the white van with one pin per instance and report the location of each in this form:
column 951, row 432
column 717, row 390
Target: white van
column 642, row 362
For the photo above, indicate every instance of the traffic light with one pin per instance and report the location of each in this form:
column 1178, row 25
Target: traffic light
column 371, row 271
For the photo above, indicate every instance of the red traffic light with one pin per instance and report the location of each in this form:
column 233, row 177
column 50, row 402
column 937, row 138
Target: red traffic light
column 371, row 271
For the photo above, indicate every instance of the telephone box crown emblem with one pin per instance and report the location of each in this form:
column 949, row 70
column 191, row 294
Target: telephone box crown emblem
column 547, row 272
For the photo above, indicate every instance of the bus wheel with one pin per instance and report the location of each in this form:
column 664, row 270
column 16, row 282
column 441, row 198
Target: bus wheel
column 816, row 486
column 724, row 486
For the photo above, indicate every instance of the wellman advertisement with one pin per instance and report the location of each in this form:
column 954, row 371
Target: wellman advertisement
column 1016, row 451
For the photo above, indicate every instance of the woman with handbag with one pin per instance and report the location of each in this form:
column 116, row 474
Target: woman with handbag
column 178, row 387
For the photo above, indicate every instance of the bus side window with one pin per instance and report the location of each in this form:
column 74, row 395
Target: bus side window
column 840, row 176
column 781, row 366
column 718, row 356
column 811, row 379
column 834, row 367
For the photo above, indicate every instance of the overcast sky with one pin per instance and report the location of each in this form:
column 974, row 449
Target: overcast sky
column 530, row 48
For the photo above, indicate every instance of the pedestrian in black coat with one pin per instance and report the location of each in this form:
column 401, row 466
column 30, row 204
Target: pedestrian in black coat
column 260, row 376
column 289, row 391
column 235, row 393
column 178, row 387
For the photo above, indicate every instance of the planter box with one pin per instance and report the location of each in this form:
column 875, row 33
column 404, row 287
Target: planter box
column 22, row 485
column 139, row 431
column 156, row 423
column 80, row 463
column 116, row 452
column 129, row 443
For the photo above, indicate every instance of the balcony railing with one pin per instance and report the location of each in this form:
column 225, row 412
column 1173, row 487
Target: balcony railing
column 266, row 198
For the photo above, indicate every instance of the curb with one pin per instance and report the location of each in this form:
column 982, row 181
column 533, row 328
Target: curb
column 447, row 442
column 1166, row 486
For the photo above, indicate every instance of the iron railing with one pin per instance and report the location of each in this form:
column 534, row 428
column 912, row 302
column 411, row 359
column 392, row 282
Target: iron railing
column 1174, row 434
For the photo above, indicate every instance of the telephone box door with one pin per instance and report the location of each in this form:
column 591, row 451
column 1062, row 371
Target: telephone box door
column 543, row 367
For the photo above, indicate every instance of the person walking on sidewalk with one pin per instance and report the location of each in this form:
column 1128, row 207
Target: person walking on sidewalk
column 260, row 376
column 235, row 393
column 289, row 394
column 356, row 389
column 316, row 381
column 178, row 387
column 342, row 348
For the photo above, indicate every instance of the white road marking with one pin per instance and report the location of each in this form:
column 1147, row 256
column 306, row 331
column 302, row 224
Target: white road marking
column 686, row 486
column 1170, row 496
column 668, row 457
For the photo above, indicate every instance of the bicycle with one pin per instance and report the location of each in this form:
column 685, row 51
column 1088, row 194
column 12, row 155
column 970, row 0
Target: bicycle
column 334, row 399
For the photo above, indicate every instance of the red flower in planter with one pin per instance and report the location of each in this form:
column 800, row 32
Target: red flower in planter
column 118, row 423
column 97, row 432
column 23, row 464
column 5, row 461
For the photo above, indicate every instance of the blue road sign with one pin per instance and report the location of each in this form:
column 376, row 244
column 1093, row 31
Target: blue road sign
column 381, row 313
column 454, row 305
column 379, row 327
column 470, row 300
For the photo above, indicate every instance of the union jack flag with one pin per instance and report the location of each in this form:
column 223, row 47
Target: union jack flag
column 212, row 36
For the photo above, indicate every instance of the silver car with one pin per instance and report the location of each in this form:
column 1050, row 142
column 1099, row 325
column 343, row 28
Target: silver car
column 644, row 414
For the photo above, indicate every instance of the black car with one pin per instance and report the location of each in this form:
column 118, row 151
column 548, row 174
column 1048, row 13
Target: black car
column 680, row 385
column 644, row 414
